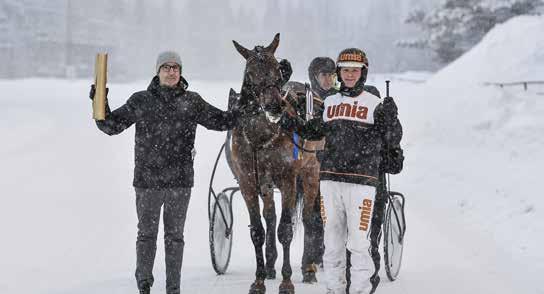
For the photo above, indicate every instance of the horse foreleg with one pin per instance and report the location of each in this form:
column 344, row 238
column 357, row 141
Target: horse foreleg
column 269, row 213
column 257, row 237
column 257, row 234
column 285, row 235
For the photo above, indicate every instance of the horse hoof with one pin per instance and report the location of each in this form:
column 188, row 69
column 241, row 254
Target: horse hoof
column 270, row 274
column 257, row 287
column 287, row 287
column 309, row 278
column 320, row 266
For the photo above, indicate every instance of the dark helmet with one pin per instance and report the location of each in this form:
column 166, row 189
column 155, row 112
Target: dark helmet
column 352, row 57
column 317, row 66
column 321, row 64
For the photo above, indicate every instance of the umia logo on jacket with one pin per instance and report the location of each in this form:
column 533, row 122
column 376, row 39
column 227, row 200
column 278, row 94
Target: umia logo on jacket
column 347, row 110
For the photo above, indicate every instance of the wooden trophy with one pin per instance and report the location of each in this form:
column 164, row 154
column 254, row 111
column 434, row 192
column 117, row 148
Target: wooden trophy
column 101, row 77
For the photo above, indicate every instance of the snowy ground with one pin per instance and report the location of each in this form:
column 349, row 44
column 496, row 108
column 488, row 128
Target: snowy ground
column 471, row 177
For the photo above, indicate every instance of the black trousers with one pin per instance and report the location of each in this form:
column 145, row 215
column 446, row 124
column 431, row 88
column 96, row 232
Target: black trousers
column 148, row 207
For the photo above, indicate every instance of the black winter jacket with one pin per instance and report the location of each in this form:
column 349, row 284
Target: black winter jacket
column 166, row 120
column 355, row 131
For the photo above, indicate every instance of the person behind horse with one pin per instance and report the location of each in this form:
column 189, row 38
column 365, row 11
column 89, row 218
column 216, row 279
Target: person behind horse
column 166, row 116
column 322, row 76
column 356, row 125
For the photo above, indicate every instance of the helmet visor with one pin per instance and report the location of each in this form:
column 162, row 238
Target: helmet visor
column 351, row 64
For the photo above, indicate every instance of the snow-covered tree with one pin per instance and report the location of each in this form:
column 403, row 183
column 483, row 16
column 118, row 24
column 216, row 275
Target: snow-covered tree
column 61, row 37
column 458, row 25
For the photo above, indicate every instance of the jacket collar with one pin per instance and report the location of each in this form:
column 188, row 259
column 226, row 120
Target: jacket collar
column 179, row 89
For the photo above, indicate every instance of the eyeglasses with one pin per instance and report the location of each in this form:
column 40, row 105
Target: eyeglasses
column 168, row 67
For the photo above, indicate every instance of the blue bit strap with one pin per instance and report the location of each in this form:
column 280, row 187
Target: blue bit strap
column 295, row 147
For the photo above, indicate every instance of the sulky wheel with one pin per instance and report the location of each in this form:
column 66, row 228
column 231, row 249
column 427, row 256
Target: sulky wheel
column 221, row 233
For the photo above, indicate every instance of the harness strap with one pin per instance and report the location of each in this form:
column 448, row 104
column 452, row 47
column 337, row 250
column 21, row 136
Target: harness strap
column 296, row 155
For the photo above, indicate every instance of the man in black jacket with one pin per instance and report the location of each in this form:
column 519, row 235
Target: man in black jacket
column 166, row 116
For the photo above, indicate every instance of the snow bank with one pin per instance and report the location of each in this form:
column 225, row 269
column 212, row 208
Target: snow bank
column 510, row 52
column 474, row 152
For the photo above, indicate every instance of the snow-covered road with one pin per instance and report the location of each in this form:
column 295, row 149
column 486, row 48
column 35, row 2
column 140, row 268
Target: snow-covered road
column 69, row 224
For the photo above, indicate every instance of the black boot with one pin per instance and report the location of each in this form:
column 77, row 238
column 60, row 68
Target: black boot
column 145, row 290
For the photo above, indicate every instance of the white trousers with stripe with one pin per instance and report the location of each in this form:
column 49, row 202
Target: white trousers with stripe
column 347, row 215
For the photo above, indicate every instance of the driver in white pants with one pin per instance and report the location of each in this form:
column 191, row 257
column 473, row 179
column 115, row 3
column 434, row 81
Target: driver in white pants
column 356, row 125
column 347, row 212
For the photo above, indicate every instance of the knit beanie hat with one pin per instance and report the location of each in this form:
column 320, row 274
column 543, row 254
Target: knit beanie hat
column 165, row 57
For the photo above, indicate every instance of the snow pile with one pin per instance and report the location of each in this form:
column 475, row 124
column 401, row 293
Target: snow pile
column 455, row 100
column 475, row 152
column 510, row 52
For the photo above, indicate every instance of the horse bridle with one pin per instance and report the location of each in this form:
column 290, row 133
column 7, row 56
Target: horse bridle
column 276, row 135
column 254, row 91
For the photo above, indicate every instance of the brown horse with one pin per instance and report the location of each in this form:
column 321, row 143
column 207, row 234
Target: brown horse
column 262, row 158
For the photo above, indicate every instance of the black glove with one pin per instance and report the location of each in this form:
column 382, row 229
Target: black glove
column 290, row 122
column 392, row 159
column 286, row 122
column 92, row 92
column 390, row 109
column 286, row 71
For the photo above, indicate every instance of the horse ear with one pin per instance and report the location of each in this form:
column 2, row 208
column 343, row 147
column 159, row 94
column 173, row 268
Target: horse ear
column 243, row 51
column 274, row 45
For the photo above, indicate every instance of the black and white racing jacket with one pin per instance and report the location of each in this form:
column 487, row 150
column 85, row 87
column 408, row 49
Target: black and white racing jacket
column 355, row 131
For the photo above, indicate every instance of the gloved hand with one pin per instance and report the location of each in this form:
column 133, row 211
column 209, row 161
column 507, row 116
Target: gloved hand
column 286, row 122
column 390, row 108
column 286, row 71
column 290, row 122
column 92, row 92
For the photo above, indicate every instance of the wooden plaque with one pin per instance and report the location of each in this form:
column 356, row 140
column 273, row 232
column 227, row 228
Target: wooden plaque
column 101, row 78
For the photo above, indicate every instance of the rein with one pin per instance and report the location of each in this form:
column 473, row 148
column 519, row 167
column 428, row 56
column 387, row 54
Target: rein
column 300, row 147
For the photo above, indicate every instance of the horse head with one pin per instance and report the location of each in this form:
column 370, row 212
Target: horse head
column 261, row 89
